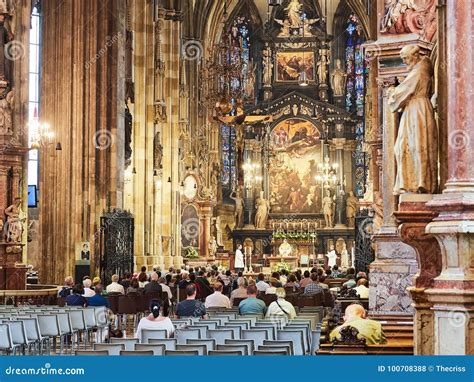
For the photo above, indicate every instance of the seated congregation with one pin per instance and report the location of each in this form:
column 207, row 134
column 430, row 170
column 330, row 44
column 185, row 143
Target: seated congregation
column 208, row 312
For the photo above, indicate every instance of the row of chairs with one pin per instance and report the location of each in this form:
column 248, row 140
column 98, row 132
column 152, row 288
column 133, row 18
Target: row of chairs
column 207, row 347
column 222, row 326
column 34, row 330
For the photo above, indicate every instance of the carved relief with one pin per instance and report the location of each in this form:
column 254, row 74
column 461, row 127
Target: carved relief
column 410, row 16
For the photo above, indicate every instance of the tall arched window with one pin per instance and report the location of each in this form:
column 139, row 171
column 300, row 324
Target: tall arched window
column 33, row 95
column 238, row 35
column 355, row 95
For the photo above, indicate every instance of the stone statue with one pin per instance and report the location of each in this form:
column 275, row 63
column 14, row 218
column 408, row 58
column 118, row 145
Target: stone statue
column 416, row 146
column 157, row 152
column 5, row 56
column 15, row 221
column 6, row 113
column 213, row 247
column 352, row 207
column 285, row 27
column 215, row 175
column 263, row 208
column 216, row 231
column 338, row 79
column 328, row 206
column 250, row 83
column 285, row 249
column 294, row 13
column 344, row 256
column 322, row 67
column 239, row 209
column 267, row 66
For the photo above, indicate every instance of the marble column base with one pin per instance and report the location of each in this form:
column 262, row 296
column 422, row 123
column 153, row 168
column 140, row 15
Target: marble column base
column 391, row 274
column 453, row 316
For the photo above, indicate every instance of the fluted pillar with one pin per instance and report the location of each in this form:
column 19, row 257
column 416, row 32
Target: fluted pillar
column 82, row 98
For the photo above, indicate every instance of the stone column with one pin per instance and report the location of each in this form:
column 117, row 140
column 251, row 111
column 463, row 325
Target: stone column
column 395, row 262
column 340, row 198
column 452, row 295
column 205, row 228
column 414, row 216
column 82, row 98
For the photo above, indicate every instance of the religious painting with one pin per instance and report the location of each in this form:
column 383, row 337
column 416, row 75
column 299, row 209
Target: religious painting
column 190, row 227
column 292, row 174
column 83, row 253
column 290, row 65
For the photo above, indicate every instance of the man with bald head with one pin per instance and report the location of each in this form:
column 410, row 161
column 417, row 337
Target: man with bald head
column 370, row 330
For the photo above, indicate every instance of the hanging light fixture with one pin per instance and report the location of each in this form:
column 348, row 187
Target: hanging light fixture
column 274, row 3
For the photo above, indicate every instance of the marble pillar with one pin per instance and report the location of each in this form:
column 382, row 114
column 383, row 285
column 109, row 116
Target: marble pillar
column 395, row 262
column 413, row 217
column 452, row 293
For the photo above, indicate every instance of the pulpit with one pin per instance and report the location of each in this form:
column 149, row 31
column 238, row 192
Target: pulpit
column 12, row 271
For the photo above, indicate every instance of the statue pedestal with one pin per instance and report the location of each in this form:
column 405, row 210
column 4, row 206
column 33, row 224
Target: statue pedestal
column 12, row 271
column 413, row 217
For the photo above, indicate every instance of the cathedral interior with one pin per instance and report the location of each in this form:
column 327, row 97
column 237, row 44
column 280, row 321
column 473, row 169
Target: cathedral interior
column 302, row 133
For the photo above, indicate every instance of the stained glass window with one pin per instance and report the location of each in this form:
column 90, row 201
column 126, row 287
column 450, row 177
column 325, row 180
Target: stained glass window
column 355, row 95
column 229, row 173
column 239, row 33
column 244, row 84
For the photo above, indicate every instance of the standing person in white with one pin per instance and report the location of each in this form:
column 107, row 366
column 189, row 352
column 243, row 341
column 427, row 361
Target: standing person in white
column 239, row 259
column 332, row 257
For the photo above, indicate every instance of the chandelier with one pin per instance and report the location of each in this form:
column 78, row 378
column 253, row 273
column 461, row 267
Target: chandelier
column 223, row 75
column 327, row 173
column 252, row 174
column 41, row 136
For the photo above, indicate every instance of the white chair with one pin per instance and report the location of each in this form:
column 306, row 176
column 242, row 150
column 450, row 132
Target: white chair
column 243, row 349
column 90, row 320
column 129, row 343
column 249, row 343
column 18, row 335
column 183, row 334
column 295, row 336
column 65, row 329
column 113, row 349
column 33, row 334
column 157, row 349
column 91, row 353
column 149, row 334
column 201, row 349
column 210, row 343
column 258, row 335
column 6, row 342
column 170, row 343
column 49, row 327
column 137, row 353
column 102, row 321
column 220, row 335
column 78, row 324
